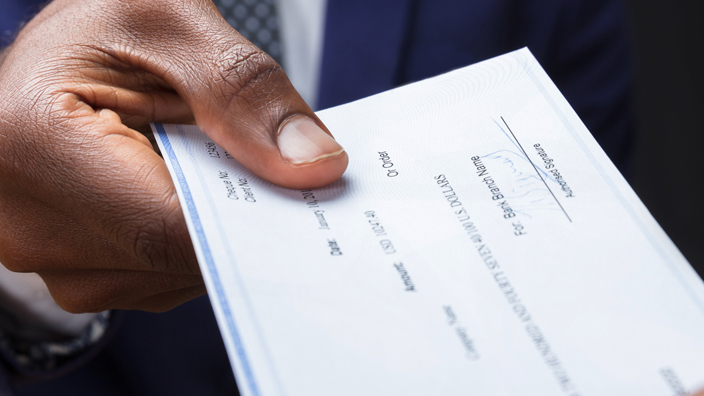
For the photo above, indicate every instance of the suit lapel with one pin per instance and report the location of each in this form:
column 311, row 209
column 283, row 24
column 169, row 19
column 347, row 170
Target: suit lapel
column 363, row 44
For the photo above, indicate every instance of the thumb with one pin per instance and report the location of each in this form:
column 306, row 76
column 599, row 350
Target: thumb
column 261, row 120
column 242, row 99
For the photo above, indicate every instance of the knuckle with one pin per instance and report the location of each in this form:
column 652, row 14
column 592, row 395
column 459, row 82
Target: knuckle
column 246, row 72
column 138, row 10
column 150, row 244
column 161, row 242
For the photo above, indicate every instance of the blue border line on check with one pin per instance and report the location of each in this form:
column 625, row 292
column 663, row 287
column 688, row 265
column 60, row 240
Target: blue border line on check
column 202, row 240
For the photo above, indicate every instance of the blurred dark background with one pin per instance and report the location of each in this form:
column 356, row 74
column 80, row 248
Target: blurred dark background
column 668, row 168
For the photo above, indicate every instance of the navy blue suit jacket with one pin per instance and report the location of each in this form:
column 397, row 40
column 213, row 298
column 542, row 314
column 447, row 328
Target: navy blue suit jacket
column 370, row 46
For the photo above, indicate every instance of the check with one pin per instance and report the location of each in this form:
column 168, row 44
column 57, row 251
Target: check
column 480, row 243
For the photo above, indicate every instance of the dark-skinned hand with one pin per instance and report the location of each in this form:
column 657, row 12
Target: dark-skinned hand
column 85, row 201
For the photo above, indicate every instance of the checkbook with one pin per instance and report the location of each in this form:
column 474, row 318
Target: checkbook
column 480, row 243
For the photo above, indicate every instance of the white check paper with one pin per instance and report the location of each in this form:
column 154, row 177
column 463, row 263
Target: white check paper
column 480, row 243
